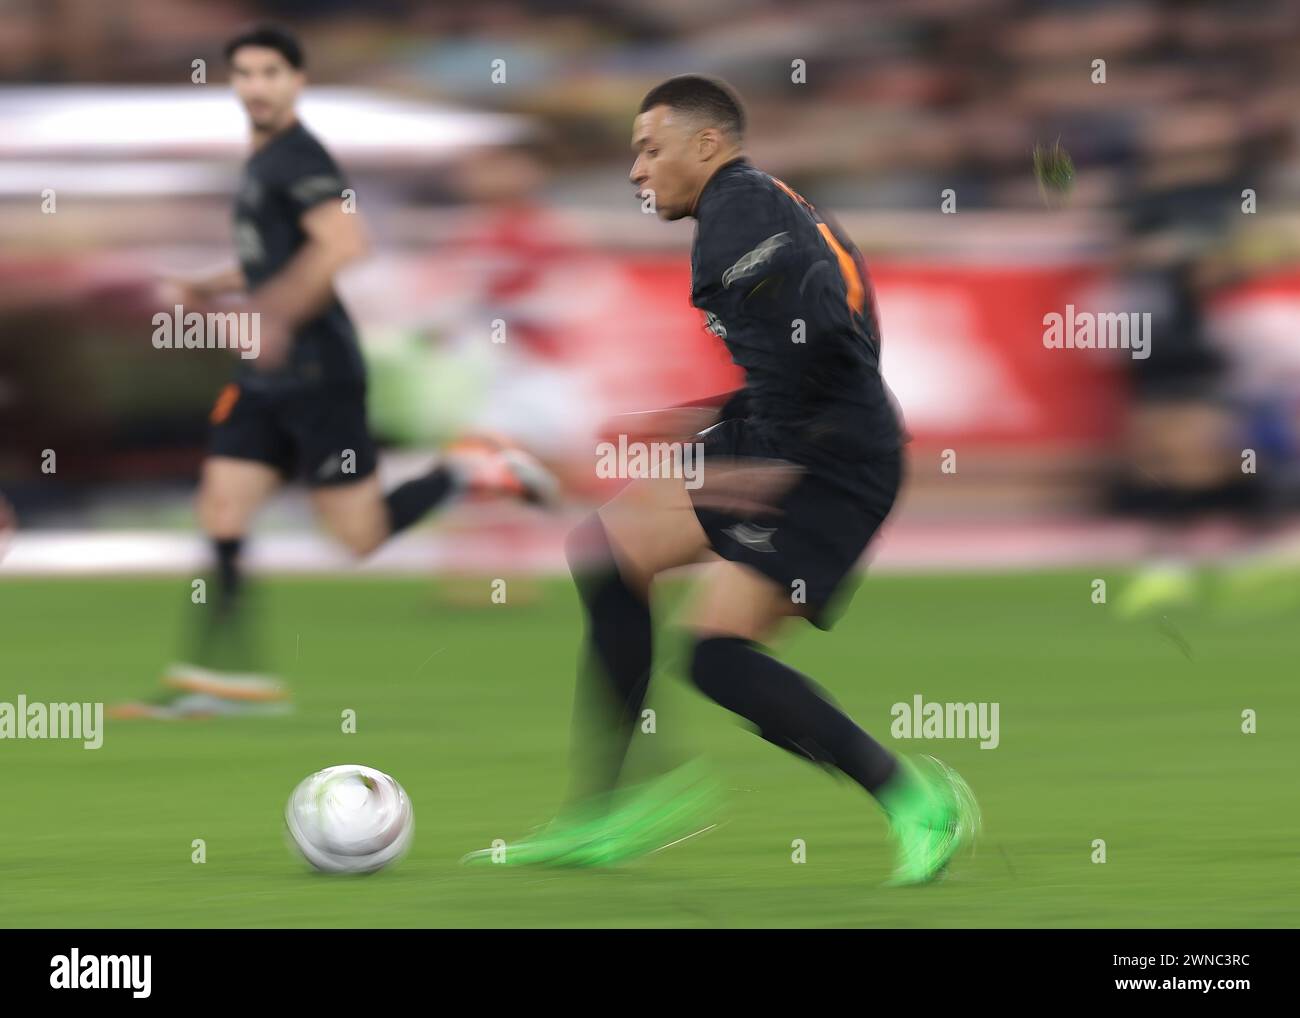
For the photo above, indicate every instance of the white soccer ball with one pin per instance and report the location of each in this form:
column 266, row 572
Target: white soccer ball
column 350, row 819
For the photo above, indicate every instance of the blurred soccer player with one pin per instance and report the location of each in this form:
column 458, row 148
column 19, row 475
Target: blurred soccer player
column 787, row 292
column 298, row 410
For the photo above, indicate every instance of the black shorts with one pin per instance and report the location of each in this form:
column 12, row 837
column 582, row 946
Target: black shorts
column 317, row 435
column 813, row 544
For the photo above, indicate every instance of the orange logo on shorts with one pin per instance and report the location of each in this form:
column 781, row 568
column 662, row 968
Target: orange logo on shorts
column 225, row 403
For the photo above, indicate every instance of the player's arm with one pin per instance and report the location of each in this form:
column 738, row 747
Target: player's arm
column 221, row 283
column 196, row 292
column 670, row 424
column 684, row 420
column 678, row 422
column 334, row 239
column 725, row 405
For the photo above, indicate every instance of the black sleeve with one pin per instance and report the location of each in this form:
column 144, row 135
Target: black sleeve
column 310, row 176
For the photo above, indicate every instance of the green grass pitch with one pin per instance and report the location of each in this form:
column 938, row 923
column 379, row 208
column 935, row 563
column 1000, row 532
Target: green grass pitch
column 1109, row 730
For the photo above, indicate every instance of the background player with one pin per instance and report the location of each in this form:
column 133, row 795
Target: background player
column 788, row 294
column 298, row 410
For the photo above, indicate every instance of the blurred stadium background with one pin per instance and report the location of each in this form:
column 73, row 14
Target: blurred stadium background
column 510, row 201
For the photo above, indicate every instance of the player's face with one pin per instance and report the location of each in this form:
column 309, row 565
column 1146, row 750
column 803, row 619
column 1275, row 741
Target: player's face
column 267, row 85
column 667, row 161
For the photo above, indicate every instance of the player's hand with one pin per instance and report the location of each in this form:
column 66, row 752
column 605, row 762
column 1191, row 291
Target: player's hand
column 168, row 292
column 276, row 338
column 268, row 348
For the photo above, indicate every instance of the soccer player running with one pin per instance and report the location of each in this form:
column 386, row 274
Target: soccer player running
column 298, row 409
column 787, row 292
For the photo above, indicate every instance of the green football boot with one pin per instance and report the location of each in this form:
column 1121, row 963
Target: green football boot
column 932, row 818
column 623, row 826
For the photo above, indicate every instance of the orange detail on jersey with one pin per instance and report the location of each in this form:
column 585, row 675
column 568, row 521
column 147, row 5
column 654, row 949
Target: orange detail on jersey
column 225, row 403
column 848, row 269
column 856, row 291
column 792, row 193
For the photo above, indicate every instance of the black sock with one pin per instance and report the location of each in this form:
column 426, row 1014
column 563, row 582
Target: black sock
column 787, row 709
column 410, row 501
column 229, row 579
column 615, row 670
column 225, row 639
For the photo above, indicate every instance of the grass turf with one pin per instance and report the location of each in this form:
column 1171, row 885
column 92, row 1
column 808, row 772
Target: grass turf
column 1110, row 730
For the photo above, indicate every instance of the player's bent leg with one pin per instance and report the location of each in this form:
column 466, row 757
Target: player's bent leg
column 614, row 669
column 734, row 608
column 223, row 679
column 734, row 600
column 614, row 555
column 652, row 527
column 218, row 679
column 931, row 814
column 354, row 514
column 231, row 491
column 479, row 467
column 361, row 516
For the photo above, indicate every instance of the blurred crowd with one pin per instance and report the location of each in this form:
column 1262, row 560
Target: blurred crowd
column 877, row 105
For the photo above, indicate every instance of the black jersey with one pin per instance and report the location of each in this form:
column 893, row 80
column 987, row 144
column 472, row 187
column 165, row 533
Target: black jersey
column 288, row 175
column 788, row 293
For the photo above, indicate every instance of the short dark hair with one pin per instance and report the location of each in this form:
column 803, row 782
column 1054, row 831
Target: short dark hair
column 711, row 98
column 273, row 37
